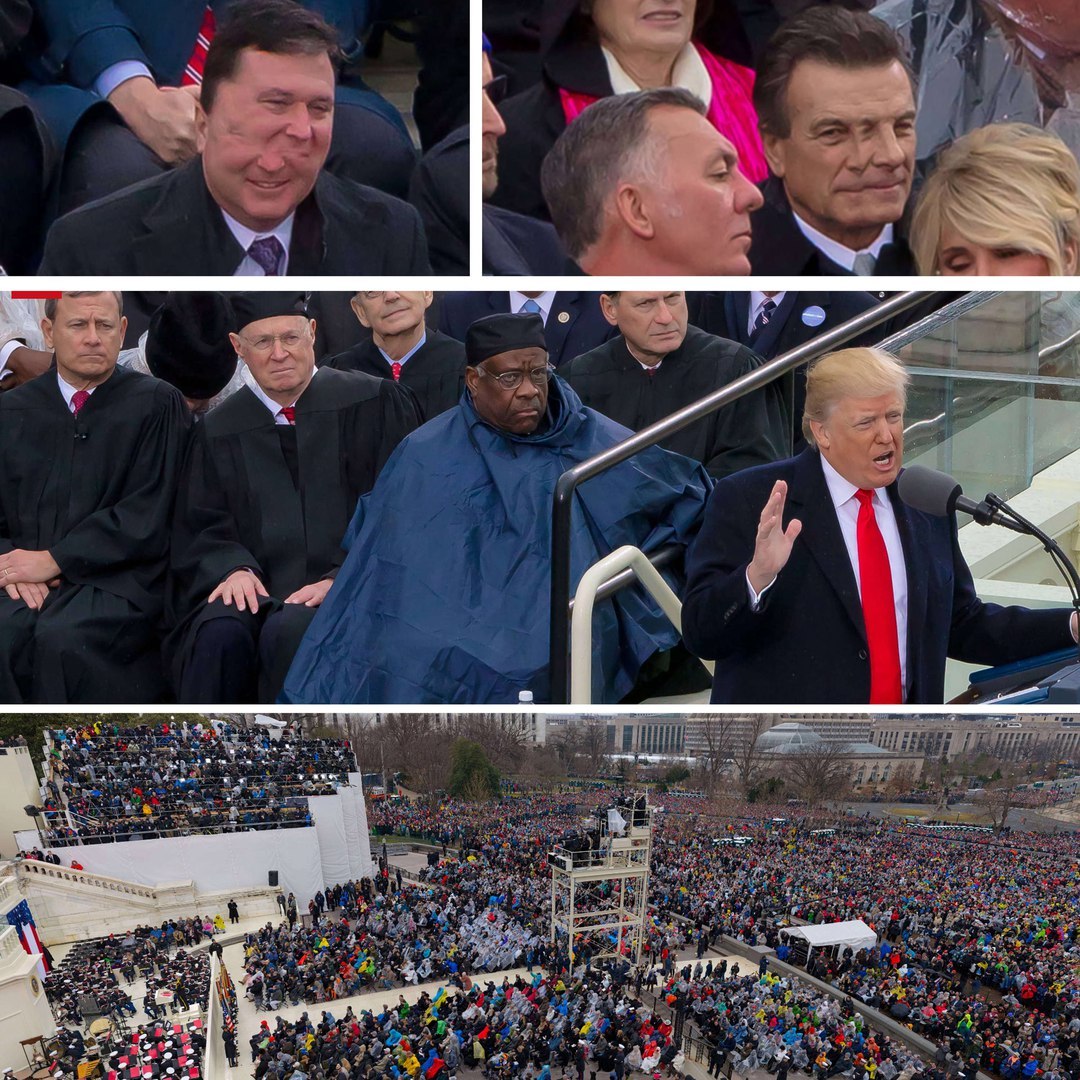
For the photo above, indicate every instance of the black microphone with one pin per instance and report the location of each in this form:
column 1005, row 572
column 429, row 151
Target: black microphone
column 939, row 494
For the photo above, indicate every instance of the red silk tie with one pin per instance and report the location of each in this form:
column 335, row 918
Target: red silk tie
column 193, row 73
column 78, row 400
column 289, row 412
column 879, row 609
column 395, row 370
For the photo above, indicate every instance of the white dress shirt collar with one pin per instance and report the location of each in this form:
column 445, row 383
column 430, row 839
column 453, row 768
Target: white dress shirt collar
column 545, row 302
column 269, row 402
column 245, row 237
column 70, row 391
column 757, row 299
column 841, row 255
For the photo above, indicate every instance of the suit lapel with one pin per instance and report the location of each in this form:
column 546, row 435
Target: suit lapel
column 737, row 309
column 564, row 303
column 185, row 232
column 771, row 331
column 810, row 501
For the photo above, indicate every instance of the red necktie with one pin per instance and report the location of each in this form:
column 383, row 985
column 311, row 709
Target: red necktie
column 193, row 73
column 395, row 370
column 78, row 400
column 879, row 610
column 289, row 412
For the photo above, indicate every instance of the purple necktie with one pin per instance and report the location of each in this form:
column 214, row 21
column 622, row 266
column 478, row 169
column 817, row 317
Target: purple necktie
column 267, row 252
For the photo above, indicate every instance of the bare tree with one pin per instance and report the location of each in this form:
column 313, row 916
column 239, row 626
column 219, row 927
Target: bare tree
column 820, row 773
column 719, row 736
column 566, row 742
column 749, row 760
column 594, row 745
column 997, row 800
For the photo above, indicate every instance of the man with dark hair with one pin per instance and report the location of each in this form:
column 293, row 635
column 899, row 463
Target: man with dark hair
column 256, row 200
column 464, row 620
column 659, row 364
column 404, row 348
column 91, row 453
column 836, row 109
column 118, row 81
column 642, row 183
column 268, row 486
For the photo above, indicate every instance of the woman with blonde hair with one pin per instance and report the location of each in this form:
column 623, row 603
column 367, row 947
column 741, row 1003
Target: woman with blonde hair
column 1002, row 200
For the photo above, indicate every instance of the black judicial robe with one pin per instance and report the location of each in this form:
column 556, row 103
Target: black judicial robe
column 239, row 504
column 96, row 491
column 435, row 373
column 754, row 430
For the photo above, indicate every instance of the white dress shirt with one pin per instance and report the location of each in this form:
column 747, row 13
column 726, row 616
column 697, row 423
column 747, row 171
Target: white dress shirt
column 70, row 391
column 5, row 354
column 270, row 403
column 841, row 255
column 244, row 237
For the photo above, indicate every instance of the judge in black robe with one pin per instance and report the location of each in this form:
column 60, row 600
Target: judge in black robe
column 275, row 500
column 431, row 365
column 753, row 430
column 95, row 492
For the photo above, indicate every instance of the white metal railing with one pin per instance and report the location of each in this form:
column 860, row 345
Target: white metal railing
column 624, row 558
column 34, row 870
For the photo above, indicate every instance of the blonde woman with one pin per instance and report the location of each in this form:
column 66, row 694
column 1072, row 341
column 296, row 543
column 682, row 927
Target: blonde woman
column 1002, row 200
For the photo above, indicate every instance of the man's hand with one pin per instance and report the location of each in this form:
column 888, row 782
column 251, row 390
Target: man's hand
column 242, row 588
column 311, row 595
column 21, row 566
column 25, row 364
column 161, row 117
column 31, row 593
column 772, row 549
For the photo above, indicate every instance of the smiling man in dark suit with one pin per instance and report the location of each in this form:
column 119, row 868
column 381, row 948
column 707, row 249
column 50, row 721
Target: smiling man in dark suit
column 573, row 321
column 256, row 201
column 811, row 583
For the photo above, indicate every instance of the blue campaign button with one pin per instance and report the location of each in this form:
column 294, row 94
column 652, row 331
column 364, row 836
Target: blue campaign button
column 813, row 316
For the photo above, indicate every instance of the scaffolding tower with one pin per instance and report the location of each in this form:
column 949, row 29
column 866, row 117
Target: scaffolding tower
column 600, row 884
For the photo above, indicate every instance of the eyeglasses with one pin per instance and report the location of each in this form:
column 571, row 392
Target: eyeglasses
column 511, row 380
column 290, row 340
column 497, row 88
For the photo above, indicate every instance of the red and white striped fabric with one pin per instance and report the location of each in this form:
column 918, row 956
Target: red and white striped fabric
column 193, row 73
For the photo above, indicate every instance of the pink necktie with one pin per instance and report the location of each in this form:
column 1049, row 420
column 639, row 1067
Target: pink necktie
column 78, row 400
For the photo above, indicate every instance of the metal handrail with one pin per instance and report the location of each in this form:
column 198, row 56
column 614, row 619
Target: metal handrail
column 568, row 483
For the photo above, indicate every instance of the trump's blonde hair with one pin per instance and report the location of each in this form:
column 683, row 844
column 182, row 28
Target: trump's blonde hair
column 1003, row 185
column 850, row 373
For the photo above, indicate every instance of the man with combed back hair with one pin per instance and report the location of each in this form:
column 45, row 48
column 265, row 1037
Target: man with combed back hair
column 91, row 453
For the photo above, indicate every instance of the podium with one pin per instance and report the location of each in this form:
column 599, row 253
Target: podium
column 1051, row 679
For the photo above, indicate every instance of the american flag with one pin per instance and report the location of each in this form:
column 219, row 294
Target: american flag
column 20, row 917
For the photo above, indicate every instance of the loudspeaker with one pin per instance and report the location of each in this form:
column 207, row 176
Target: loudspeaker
column 271, row 878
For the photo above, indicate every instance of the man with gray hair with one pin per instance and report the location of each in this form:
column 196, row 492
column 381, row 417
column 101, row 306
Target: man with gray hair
column 91, row 453
column 642, row 183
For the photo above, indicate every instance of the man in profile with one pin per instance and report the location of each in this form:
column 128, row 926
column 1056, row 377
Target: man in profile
column 835, row 103
column 811, row 583
column 658, row 364
column 642, row 183
column 404, row 348
column 91, row 453
column 272, row 476
column 442, row 597
column 256, row 201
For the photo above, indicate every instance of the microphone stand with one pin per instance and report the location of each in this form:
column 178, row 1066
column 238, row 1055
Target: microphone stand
column 1050, row 546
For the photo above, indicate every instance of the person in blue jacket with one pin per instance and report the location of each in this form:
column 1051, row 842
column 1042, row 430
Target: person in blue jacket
column 443, row 596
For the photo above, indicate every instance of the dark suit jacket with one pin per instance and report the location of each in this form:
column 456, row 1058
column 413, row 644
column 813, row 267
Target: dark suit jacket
column 726, row 315
column 439, row 190
column 778, row 245
column 171, row 225
column 75, row 41
column 514, row 244
column 575, row 325
column 806, row 645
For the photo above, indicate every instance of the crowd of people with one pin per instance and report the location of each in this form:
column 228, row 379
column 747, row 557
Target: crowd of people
column 175, row 587
column 108, row 782
column 786, row 133
column 977, row 936
column 123, row 120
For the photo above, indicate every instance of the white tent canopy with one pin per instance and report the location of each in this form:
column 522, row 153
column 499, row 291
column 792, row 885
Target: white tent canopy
column 854, row 932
